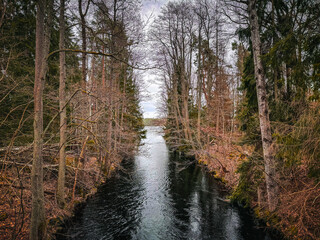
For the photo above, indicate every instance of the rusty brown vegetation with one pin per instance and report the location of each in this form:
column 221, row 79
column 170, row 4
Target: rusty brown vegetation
column 83, row 176
column 60, row 141
column 250, row 114
column 253, row 120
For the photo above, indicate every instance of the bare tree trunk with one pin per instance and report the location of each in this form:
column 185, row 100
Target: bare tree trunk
column 81, row 159
column 177, row 110
column 217, row 73
column 92, row 101
column 199, row 87
column 109, row 116
column 83, row 101
column 268, row 150
column 62, row 109
column 84, row 42
column 123, row 106
column 38, row 221
column 116, row 108
column 103, row 77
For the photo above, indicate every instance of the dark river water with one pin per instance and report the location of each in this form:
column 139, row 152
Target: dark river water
column 161, row 196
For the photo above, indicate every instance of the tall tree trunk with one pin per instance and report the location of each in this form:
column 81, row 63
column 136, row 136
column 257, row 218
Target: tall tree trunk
column 103, row 77
column 109, row 115
column 268, row 150
column 177, row 109
column 123, row 105
column 83, row 106
column 62, row 109
column 38, row 221
column 92, row 101
column 217, row 73
column 199, row 89
column 84, row 42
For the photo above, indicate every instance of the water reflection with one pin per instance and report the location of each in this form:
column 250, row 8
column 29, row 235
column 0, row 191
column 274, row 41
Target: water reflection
column 161, row 196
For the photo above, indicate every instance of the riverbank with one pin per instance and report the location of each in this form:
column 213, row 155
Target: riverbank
column 161, row 195
column 225, row 172
column 298, row 199
column 82, row 181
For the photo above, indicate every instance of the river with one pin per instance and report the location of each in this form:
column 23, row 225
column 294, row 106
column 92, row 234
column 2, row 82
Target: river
column 160, row 195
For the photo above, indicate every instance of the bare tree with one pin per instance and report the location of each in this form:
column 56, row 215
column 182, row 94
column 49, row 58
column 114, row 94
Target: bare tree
column 62, row 109
column 84, row 40
column 173, row 36
column 267, row 143
column 43, row 25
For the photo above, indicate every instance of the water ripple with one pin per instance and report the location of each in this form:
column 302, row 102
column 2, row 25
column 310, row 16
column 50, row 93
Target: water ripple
column 161, row 196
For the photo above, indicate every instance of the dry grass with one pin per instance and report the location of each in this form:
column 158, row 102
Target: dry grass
column 298, row 214
column 223, row 158
column 299, row 209
column 15, row 195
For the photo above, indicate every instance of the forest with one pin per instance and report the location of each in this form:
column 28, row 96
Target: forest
column 239, row 91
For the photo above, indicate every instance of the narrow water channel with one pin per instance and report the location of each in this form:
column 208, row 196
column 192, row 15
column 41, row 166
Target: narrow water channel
column 161, row 196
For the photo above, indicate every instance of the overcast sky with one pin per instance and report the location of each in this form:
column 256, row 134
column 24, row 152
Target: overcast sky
column 150, row 10
column 151, row 95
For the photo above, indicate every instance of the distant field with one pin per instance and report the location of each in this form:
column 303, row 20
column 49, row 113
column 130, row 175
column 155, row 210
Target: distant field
column 154, row 121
